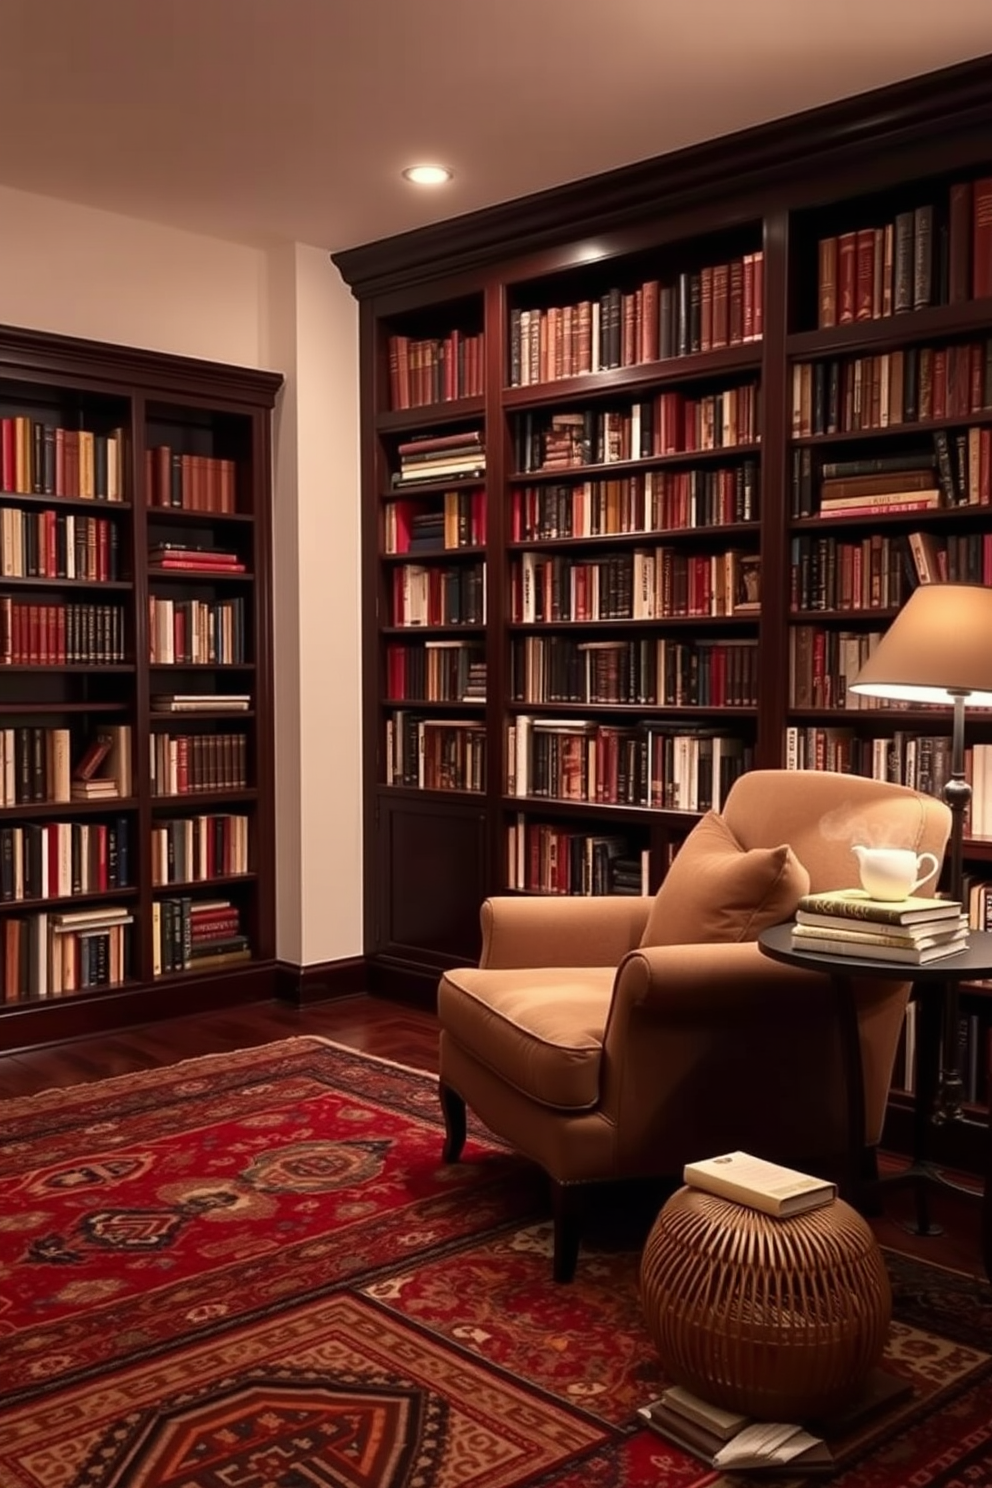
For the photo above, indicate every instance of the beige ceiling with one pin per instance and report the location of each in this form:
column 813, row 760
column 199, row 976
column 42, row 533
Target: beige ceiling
column 262, row 120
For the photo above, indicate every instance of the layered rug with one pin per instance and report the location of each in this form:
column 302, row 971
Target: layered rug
column 253, row 1270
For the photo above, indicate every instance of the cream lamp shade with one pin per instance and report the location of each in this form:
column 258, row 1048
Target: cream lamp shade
column 939, row 645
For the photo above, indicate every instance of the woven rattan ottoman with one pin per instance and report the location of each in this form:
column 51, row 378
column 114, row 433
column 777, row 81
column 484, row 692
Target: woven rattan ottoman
column 781, row 1319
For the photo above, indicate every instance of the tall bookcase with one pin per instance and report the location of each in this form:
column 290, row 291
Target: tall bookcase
column 136, row 745
column 680, row 362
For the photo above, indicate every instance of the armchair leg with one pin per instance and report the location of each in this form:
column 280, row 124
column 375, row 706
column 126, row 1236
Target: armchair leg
column 568, row 1202
column 453, row 1108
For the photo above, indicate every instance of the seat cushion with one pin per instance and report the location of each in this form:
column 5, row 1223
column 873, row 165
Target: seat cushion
column 717, row 891
column 539, row 1030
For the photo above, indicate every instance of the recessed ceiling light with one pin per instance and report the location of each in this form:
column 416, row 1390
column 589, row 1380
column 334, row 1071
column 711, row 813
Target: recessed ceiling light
column 428, row 175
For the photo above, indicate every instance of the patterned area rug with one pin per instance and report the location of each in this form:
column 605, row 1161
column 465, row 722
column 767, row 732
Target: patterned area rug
column 253, row 1271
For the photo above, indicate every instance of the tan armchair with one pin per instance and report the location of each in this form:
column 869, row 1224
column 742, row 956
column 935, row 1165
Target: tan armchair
column 601, row 1058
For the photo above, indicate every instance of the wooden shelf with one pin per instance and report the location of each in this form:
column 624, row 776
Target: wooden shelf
column 209, row 426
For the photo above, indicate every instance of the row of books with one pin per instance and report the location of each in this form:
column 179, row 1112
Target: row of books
column 183, row 763
column 61, row 633
column 196, row 935
column 57, row 545
column 194, row 849
column 434, row 753
column 867, row 573
column 543, row 858
column 642, row 765
column 435, row 369
column 822, row 661
column 198, row 632
column 38, row 458
column 702, row 310
column 61, row 859
column 190, row 482
column 558, row 669
column 51, row 954
column 842, row 395
column 663, row 583
column 441, row 457
column 447, row 671
column 36, row 764
column 637, row 503
column 412, row 526
column 671, row 423
column 934, row 254
column 951, row 471
column 957, row 558
column 435, row 595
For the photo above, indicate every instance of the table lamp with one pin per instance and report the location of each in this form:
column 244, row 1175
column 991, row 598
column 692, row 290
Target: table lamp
column 938, row 649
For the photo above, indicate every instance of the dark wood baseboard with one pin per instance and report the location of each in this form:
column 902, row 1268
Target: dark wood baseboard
column 320, row 983
column 405, row 981
column 83, row 1014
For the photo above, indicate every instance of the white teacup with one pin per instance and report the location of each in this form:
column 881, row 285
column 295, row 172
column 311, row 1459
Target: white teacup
column 893, row 872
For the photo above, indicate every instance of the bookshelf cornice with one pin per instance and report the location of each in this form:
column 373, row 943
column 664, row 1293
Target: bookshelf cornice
column 763, row 158
column 156, row 373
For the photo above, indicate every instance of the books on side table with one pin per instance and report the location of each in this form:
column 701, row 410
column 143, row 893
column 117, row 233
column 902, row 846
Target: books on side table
column 758, row 1184
column 848, row 922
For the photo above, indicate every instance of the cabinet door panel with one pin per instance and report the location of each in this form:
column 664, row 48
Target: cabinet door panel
column 432, row 859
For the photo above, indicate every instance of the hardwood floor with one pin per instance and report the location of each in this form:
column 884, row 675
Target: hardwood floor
column 409, row 1036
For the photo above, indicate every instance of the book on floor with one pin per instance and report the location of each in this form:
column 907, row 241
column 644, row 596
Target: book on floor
column 759, row 1184
column 813, row 1447
column 769, row 1446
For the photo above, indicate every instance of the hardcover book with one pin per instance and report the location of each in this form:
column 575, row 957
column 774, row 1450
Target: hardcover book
column 878, row 950
column 758, row 1184
column 855, row 904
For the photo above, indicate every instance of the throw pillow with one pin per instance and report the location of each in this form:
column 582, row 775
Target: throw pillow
column 717, row 891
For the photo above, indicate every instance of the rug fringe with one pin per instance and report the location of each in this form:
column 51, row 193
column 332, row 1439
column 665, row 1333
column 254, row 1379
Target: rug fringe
column 39, row 1099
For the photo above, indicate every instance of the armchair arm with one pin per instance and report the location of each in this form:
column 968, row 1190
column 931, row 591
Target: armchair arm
column 552, row 930
column 693, row 983
column 741, row 1049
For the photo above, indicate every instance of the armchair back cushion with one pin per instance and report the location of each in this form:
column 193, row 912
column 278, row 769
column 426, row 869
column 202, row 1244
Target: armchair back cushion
column 823, row 815
column 716, row 890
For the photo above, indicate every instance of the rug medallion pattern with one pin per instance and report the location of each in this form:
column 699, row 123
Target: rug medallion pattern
column 254, row 1271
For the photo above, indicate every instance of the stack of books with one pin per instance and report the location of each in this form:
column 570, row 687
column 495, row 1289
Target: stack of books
column 847, row 922
column 730, row 1441
column 441, row 457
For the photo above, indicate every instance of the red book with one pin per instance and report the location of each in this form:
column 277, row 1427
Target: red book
column 846, row 277
column 981, row 266
column 864, row 273
column 7, row 455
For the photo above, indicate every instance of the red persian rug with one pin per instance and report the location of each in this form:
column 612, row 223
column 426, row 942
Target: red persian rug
column 253, row 1271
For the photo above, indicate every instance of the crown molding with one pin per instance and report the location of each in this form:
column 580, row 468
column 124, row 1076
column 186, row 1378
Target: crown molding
column 950, row 100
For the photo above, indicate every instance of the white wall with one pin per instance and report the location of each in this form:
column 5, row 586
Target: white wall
column 81, row 272
column 312, row 333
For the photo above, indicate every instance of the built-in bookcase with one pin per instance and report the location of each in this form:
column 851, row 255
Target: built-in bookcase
column 135, row 695
column 736, row 405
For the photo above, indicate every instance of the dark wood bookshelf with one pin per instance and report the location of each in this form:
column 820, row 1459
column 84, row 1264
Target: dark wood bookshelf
column 778, row 190
column 64, row 400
